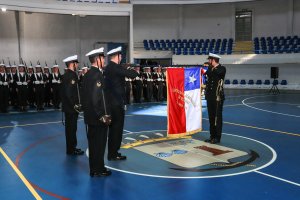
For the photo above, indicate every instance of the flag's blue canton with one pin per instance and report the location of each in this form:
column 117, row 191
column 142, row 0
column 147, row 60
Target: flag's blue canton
column 191, row 78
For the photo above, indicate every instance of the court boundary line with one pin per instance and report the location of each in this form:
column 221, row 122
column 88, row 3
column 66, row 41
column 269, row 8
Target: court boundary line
column 240, row 104
column 278, row 113
column 39, row 123
column 259, row 128
column 278, row 178
column 21, row 176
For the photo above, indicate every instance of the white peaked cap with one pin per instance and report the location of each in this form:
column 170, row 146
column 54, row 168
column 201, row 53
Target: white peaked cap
column 55, row 66
column 114, row 51
column 212, row 55
column 95, row 52
column 71, row 58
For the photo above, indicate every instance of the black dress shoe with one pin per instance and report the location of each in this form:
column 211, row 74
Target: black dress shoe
column 76, row 152
column 118, row 157
column 215, row 141
column 105, row 172
column 79, row 151
column 208, row 140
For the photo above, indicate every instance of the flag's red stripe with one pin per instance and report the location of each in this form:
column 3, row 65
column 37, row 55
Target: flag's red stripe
column 176, row 111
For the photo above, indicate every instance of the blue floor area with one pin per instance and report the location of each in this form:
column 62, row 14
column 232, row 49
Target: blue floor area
column 253, row 121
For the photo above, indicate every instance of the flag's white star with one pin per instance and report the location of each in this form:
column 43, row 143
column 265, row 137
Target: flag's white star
column 192, row 79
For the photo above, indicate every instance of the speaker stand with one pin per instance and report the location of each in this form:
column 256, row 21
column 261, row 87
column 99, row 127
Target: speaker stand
column 274, row 88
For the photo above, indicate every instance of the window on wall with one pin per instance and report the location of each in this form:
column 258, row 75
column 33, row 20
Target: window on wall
column 243, row 25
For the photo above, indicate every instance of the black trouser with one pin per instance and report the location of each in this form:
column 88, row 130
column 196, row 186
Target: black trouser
column 4, row 96
column 127, row 92
column 215, row 109
column 155, row 90
column 97, row 136
column 137, row 92
column 116, row 130
column 160, row 91
column 165, row 91
column 56, row 94
column 31, row 95
column 39, row 95
column 145, row 92
column 149, row 91
column 70, row 131
column 22, row 95
column 47, row 94
column 13, row 96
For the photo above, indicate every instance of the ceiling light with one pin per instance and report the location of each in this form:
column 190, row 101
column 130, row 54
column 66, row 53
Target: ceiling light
column 3, row 9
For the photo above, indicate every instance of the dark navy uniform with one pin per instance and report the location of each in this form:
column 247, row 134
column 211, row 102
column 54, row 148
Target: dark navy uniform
column 55, row 80
column 31, row 94
column 13, row 91
column 48, row 93
column 4, row 92
column 215, row 78
column 148, row 81
column 164, row 77
column 115, row 84
column 158, row 78
column 95, row 107
column 69, row 100
column 137, row 87
column 22, row 80
column 39, row 89
column 127, row 90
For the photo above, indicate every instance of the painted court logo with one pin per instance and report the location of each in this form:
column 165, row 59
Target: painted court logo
column 193, row 158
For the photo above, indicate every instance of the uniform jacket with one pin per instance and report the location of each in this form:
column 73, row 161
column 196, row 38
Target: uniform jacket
column 115, row 82
column 94, row 102
column 69, row 93
column 55, row 79
column 4, row 79
column 213, row 78
column 21, row 80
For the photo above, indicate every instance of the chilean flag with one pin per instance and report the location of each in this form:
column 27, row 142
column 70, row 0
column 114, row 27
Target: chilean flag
column 203, row 71
column 184, row 101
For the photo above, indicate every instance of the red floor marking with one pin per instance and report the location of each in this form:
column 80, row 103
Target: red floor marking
column 20, row 155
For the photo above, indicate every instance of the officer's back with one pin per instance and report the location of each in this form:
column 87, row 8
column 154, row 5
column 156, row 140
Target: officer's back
column 93, row 94
column 69, row 91
column 115, row 82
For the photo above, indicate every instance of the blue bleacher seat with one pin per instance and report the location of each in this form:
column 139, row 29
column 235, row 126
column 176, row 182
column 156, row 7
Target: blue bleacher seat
column 283, row 82
column 235, row 82
column 227, row 82
column 250, row 82
column 258, row 82
column 267, row 82
column 275, row 82
column 243, row 82
column 191, row 51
